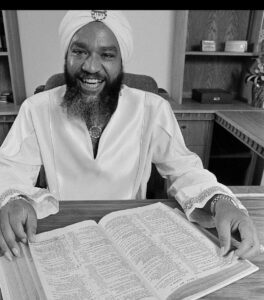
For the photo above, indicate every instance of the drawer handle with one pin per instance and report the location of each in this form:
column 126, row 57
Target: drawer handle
column 183, row 126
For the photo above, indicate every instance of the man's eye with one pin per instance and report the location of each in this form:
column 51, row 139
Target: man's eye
column 108, row 55
column 78, row 52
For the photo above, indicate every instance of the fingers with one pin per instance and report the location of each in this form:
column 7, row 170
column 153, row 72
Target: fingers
column 26, row 229
column 18, row 221
column 4, row 248
column 18, row 228
column 31, row 226
column 229, row 220
column 249, row 245
column 251, row 252
column 8, row 239
column 224, row 236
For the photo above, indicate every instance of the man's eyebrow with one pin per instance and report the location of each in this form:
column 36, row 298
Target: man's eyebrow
column 109, row 48
column 78, row 44
column 102, row 48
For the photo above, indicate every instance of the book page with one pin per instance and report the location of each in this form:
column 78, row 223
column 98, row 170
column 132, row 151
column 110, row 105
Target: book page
column 165, row 247
column 80, row 262
column 19, row 279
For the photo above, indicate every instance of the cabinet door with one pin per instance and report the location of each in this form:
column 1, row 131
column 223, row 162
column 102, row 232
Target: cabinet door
column 4, row 128
column 200, row 151
column 195, row 132
column 6, row 121
column 197, row 136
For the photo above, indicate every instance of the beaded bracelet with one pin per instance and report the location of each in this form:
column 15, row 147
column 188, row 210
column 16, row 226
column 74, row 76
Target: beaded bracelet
column 221, row 197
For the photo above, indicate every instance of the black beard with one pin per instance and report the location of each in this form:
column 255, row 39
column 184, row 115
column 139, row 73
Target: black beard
column 84, row 107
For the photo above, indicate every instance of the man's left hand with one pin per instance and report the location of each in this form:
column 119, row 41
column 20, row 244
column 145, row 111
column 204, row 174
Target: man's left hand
column 230, row 219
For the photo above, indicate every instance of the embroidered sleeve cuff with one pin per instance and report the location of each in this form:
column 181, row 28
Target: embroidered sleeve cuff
column 201, row 216
column 43, row 201
column 9, row 195
column 221, row 197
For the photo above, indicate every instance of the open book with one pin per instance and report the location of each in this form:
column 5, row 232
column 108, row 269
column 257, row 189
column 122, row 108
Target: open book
column 150, row 252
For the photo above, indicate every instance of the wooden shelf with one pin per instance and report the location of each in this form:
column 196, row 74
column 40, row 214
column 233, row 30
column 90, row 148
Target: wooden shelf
column 3, row 53
column 192, row 106
column 193, row 68
column 222, row 53
column 231, row 155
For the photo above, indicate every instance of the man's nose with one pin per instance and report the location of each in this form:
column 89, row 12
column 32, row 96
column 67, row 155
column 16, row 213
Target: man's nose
column 92, row 64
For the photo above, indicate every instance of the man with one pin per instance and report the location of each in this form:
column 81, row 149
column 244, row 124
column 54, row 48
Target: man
column 97, row 139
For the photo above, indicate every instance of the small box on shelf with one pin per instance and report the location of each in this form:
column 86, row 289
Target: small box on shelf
column 208, row 46
column 213, row 96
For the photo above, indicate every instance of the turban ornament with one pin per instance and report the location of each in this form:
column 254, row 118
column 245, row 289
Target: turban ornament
column 113, row 19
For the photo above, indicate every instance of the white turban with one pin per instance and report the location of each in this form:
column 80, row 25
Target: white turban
column 115, row 20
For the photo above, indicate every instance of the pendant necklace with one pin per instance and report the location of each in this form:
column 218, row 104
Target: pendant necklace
column 95, row 132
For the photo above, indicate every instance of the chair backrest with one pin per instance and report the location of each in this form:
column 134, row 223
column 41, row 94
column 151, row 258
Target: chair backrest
column 142, row 82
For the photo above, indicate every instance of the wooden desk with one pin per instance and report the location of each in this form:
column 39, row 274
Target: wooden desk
column 251, row 287
column 245, row 122
column 247, row 126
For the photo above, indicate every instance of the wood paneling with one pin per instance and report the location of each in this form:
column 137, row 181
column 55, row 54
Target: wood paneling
column 217, row 25
column 15, row 64
column 222, row 72
column 4, row 129
column 5, row 81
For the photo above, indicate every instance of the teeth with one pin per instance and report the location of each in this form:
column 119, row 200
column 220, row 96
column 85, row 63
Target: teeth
column 91, row 81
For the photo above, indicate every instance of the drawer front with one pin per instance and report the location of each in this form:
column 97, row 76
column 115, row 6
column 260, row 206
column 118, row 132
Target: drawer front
column 196, row 133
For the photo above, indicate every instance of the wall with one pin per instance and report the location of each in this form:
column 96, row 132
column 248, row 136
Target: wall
column 41, row 53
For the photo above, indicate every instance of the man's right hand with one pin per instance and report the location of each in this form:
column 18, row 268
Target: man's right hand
column 18, row 222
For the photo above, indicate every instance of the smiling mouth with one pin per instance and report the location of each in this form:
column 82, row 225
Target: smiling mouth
column 92, row 83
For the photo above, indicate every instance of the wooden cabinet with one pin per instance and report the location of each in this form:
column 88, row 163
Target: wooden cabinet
column 233, row 162
column 8, row 113
column 197, row 133
column 5, row 125
column 11, row 66
column 194, row 69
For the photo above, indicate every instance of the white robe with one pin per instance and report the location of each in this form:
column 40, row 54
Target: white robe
column 142, row 130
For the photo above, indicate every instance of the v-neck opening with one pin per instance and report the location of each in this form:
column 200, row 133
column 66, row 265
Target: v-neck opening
column 95, row 156
column 104, row 133
column 97, row 148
